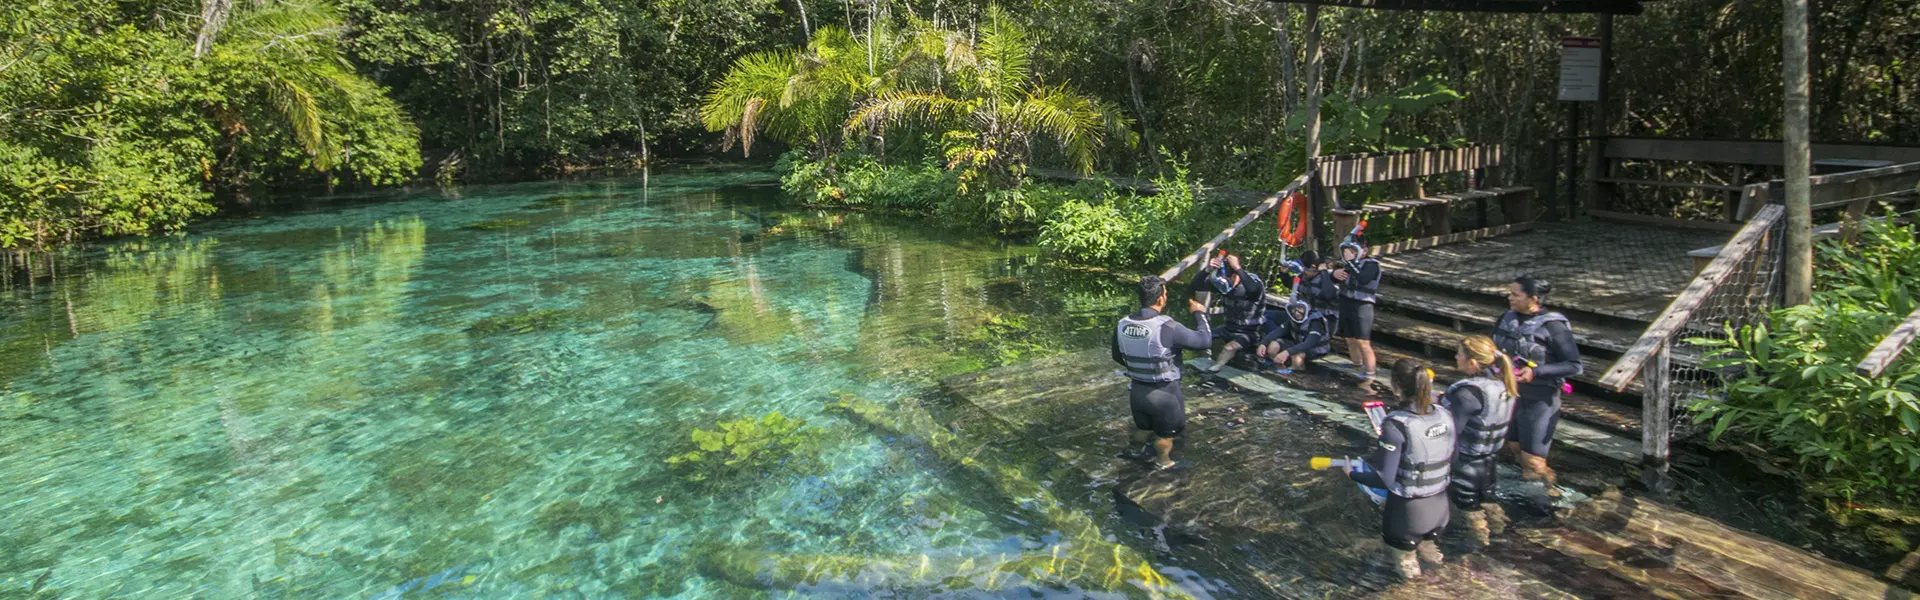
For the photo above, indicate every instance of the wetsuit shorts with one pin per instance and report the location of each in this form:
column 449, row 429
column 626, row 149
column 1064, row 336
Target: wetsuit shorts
column 1356, row 320
column 1407, row 521
column 1472, row 483
column 1158, row 407
column 1246, row 337
column 1534, row 418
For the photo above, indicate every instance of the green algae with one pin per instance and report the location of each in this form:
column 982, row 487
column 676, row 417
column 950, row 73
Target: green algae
column 526, row 322
column 496, row 225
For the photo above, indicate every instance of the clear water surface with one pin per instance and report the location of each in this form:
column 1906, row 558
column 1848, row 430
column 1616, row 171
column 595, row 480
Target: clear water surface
column 316, row 404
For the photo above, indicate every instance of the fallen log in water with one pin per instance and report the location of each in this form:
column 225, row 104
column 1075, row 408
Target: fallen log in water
column 1679, row 554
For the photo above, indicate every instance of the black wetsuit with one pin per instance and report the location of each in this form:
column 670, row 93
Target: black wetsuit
column 1473, row 476
column 1356, row 316
column 1161, row 407
column 1245, row 306
column 1309, row 339
column 1405, row 521
column 1538, row 412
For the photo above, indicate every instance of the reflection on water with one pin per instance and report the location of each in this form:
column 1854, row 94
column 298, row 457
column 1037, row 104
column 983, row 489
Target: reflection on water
column 375, row 400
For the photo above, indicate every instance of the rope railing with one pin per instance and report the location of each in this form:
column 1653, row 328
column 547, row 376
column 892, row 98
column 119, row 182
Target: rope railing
column 1200, row 254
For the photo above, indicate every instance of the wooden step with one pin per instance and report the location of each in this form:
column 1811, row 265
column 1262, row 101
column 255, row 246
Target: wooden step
column 1602, row 414
column 1482, row 310
column 1414, row 330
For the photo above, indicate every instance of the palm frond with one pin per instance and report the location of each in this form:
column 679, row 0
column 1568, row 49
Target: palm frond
column 899, row 107
column 763, row 76
column 302, row 113
column 1006, row 57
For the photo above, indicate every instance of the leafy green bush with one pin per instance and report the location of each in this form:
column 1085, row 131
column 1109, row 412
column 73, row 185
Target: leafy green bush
column 1128, row 230
column 857, row 181
column 1857, row 436
column 747, row 445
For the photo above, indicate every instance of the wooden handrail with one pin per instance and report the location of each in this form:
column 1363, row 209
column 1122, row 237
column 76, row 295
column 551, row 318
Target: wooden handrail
column 1682, row 307
column 1260, row 209
column 1889, row 348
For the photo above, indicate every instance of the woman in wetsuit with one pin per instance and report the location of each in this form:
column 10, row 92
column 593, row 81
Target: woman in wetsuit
column 1412, row 463
column 1482, row 407
column 1545, row 354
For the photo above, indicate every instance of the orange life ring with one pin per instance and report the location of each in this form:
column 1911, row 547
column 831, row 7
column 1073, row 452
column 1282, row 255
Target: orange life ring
column 1292, row 219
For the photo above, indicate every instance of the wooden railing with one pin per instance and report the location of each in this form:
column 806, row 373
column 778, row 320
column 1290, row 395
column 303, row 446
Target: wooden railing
column 1889, row 349
column 1259, row 209
column 1648, row 358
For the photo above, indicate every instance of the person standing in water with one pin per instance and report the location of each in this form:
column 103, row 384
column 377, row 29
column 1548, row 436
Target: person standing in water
column 1412, row 463
column 1542, row 345
column 1482, row 407
column 1359, row 282
column 1243, row 310
column 1148, row 344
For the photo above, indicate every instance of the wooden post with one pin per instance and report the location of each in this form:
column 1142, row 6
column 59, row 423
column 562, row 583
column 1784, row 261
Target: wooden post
column 1314, row 68
column 1888, row 349
column 1656, row 421
column 1600, row 195
column 1799, row 158
column 1573, row 166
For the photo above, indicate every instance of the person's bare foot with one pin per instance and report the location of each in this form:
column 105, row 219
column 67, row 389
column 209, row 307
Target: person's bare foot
column 1163, row 464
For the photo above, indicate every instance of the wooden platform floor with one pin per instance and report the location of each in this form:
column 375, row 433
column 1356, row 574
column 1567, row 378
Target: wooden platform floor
column 1621, row 270
column 1248, row 510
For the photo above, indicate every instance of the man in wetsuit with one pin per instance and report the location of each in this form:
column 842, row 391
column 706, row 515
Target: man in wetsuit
column 1243, row 310
column 1148, row 344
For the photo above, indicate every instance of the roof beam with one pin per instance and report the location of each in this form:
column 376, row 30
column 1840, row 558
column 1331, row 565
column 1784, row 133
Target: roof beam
column 1616, row 7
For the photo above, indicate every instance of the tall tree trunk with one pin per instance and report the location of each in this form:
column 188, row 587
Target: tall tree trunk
column 1283, row 12
column 213, row 16
column 805, row 29
column 1832, row 114
column 1136, row 58
column 1799, row 160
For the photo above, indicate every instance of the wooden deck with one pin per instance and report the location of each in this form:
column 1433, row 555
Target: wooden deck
column 1246, row 507
column 1619, row 270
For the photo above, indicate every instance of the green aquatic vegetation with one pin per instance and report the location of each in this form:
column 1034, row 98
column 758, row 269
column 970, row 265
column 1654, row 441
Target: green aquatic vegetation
column 496, row 224
column 1084, row 554
column 604, row 521
column 748, row 445
column 560, row 201
column 527, row 322
column 615, row 251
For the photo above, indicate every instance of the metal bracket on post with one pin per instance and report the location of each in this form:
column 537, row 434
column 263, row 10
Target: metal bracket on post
column 1656, row 422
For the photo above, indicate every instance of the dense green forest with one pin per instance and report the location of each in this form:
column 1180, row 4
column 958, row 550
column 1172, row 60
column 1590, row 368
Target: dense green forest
column 135, row 117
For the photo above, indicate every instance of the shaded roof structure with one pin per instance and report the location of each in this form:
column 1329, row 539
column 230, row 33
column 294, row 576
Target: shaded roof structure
column 1608, row 7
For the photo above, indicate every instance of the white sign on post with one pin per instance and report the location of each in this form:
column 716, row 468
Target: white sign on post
column 1580, row 69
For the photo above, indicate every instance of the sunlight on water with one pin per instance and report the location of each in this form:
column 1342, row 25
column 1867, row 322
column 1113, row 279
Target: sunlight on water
column 473, row 395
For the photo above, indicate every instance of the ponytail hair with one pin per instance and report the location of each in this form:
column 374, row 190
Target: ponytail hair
column 1413, row 381
column 1481, row 350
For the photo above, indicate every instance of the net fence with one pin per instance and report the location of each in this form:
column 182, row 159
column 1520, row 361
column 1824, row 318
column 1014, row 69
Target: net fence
column 1744, row 296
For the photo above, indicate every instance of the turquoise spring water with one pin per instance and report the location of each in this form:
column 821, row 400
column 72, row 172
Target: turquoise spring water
column 316, row 404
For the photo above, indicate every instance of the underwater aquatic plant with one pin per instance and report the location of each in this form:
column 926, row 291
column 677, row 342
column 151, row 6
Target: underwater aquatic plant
column 527, row 322
column 747, row 445
column 496, row 225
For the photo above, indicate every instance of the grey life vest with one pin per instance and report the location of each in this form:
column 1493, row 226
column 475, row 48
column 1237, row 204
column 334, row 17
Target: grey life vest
column 1486, row 431
column 1299, row 330
column 1243, row 307
column 1426, row 464
column 1363, row 292
column 1147, row 358
column 1525, row 338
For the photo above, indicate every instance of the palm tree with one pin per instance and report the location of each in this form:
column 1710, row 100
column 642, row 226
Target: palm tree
column 798, row 97
column 281, row 61
column 996, row 107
